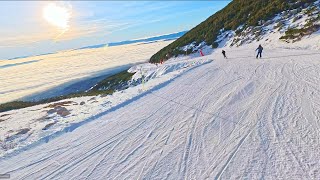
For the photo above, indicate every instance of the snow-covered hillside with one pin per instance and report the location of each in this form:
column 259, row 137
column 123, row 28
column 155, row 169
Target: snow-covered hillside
column 236, row 118
column 22, row 128
column 295, row 29
column 286, row 29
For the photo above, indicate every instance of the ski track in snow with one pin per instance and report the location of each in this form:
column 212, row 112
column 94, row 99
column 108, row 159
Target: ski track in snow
column 239, row 118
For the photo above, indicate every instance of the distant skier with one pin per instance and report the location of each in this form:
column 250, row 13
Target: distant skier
column 224, row 54
column 201, row 53
column 167, row 56
column 259, row 49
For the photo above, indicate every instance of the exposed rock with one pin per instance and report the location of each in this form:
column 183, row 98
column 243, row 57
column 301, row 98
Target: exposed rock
column 3, row 115
column 48, row 126
column 92, row 99
column 104, row 95
column 62, row 111
column 51, row 111
column 65, row 103
column 294, row 11
column 23, row 131
column 44, row 118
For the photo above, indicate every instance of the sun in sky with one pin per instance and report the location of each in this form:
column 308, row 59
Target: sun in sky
column 57, row 15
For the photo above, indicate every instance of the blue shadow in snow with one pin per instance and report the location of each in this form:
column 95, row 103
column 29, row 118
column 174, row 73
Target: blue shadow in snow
column 18, row 64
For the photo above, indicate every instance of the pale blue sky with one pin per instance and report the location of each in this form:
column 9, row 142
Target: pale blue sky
column 25, row 32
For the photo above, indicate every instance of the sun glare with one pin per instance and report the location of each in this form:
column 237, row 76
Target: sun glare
column 56, row 15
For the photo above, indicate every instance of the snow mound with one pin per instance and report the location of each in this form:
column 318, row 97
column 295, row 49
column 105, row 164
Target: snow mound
column 150, row 71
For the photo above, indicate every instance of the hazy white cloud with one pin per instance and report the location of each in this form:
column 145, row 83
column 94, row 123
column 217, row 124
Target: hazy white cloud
column 21, row 40
column 95, row 27
column 24, row 27
column 83, row 23
column 76, row 30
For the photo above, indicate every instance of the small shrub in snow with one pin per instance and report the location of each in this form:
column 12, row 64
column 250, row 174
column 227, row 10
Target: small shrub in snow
column 7, row 145
column 215, row 45
column 295, row 34
column 296, row 18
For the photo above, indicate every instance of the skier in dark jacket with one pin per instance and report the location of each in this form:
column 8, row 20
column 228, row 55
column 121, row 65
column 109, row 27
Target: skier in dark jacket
column 259, row 49
column 224, row 54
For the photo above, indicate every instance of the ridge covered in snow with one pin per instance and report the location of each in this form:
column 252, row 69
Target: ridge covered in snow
column 285, row 29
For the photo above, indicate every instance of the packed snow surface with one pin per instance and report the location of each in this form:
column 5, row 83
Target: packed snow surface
column 23, row 128
column 236, row 118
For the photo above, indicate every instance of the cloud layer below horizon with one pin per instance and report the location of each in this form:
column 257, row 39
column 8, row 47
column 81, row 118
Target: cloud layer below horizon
column 25, row 32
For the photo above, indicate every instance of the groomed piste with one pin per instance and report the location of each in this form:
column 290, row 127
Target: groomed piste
column 230, row 119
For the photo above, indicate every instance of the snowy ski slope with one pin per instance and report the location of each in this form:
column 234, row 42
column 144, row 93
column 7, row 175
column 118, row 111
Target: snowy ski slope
column 239, row 118
column 22, row 128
